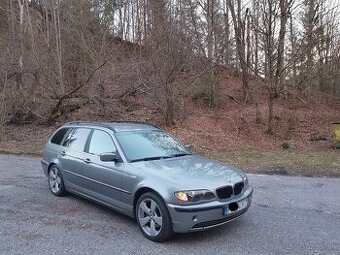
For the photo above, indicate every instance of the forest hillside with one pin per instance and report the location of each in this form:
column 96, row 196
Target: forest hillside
column 240, row 80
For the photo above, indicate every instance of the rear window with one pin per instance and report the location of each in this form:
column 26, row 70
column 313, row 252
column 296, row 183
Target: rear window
column 78, row 139
column 59, row 136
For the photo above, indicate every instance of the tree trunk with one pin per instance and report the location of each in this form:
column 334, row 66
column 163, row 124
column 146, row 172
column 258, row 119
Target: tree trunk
column 239, row 27
column 57, row 28
column 227, row 36
column 276, row 84
column 255, row 25
column 212, row 83
column 270, row 113
column 310, row 44
column 21, row 45
column 293, row 49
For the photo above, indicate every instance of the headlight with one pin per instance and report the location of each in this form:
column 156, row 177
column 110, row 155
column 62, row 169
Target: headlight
column 246, row 182
column 194, row 195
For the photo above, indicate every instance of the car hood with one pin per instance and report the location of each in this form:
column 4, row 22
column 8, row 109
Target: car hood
column 192, row 172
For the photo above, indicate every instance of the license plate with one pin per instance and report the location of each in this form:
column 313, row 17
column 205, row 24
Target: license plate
column 243, row 204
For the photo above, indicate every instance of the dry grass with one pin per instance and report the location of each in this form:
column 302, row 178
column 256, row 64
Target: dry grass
column 322, row 162
column 26, row 148
column 28, row 140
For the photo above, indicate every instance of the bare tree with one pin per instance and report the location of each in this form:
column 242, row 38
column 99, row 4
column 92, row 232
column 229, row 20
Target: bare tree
column 53, row 52
column 274, row 12
column 240, row 30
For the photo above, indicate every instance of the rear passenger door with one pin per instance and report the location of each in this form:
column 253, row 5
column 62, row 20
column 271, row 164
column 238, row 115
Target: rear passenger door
column 102, row 180
column 72, row 155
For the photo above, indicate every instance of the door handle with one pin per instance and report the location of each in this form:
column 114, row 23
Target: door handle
column 63, row 153
column 87, row 161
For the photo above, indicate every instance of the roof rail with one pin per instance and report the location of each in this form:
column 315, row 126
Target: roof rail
column 94, row 123
column 135, row 122
column 107, row 124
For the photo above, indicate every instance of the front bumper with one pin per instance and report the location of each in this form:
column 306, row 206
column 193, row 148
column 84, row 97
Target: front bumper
column 203, row 216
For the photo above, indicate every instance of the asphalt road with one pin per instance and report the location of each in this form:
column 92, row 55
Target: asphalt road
column 289, row 215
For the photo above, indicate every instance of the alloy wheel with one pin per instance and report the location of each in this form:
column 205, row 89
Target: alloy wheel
column 54, row 180
column 150, row 217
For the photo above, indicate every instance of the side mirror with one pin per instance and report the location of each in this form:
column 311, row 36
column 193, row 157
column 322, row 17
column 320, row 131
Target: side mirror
column 107, row 157
column 188, row 147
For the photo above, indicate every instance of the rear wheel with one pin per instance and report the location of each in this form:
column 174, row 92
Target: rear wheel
column 153, row 217
column 56, row 182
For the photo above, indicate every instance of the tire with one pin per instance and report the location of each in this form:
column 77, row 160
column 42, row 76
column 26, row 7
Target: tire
column 56, row 182
column 153, row 217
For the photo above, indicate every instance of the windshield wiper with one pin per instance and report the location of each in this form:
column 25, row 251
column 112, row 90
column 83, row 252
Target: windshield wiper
column 160, row 157
column 149, row 158
column 180, row 155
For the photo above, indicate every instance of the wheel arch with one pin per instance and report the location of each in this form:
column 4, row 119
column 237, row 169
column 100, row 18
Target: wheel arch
column 140, row 192
column 49, row 166
column 55, row 163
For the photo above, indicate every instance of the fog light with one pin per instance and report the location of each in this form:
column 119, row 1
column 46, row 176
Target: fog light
column 194, row 218
column 233, row 207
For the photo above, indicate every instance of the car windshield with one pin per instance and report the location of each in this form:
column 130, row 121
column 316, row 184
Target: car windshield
column 143, row 145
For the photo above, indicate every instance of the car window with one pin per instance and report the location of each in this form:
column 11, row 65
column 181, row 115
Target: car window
column 148, row 145
column 78, row 139
column 101, row 142
column 67, row 138
column 59, row 135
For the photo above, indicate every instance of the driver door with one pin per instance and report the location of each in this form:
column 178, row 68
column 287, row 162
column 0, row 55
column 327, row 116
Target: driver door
column 102, row 180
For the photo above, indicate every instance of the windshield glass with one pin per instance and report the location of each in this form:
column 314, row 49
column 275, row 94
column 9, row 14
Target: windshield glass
column 149, row 145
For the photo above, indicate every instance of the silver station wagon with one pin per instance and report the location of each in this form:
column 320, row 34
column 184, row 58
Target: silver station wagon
column 140, row 170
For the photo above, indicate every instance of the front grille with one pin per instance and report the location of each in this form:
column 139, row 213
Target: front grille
column 224, row 192
column 227, row 191
column 238, row 188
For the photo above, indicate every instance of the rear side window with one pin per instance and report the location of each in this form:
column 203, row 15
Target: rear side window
column 59, row 136
column 78, row 139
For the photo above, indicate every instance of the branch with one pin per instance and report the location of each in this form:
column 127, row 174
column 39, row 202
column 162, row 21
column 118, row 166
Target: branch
column 55, row 109
column 83, row 83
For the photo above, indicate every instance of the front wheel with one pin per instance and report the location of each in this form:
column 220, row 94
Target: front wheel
column 153, row 217
column 56, row 182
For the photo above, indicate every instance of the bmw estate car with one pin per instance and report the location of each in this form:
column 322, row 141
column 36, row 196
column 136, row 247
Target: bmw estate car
column 140, row 170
